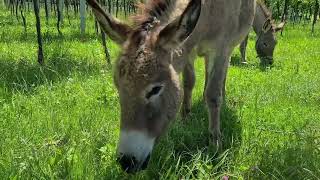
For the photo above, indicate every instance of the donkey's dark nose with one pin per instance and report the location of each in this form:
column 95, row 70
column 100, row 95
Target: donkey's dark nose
column 271, row 62
column 128, row 163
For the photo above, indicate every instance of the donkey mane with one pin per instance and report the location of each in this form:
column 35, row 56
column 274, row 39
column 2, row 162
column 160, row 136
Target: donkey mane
column 158, row 13
column 152, row 17
column 265, row 9
column 153, row 9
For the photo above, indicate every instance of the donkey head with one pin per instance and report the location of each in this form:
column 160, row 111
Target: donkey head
column 267, row 41
column 145, row 78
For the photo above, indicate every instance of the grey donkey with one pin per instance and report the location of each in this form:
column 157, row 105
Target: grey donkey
column 266, row 30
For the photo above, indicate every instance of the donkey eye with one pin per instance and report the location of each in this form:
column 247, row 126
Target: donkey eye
column 265, row 44
column 154, row 91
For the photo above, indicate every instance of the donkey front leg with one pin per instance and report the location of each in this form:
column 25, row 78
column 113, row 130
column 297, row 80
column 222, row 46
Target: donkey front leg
column 217, row 71
column 206, row 80
column 243, row 49
column 189, row 80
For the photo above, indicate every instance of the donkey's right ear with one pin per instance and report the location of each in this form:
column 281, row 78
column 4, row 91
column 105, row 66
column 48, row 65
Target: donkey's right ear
column 115, row 29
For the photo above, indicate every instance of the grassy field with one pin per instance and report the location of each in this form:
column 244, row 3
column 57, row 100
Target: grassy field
column 61, row 121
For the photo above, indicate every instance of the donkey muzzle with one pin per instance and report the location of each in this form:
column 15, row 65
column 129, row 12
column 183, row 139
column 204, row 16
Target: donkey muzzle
column 134, row 150
column 129, row 164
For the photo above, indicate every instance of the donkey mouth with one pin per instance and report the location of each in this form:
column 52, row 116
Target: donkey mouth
column 131, row 165
column 266, row 60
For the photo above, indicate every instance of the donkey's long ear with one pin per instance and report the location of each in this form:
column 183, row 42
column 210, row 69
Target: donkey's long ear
column 177, row 31
column 280, row 26
column 116, row 30
column 267, row 26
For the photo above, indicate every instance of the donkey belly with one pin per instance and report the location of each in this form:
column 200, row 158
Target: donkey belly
column 225, row 23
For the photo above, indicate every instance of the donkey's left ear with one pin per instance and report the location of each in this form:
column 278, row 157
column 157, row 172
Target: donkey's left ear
column 280, row 27
column 180, row 29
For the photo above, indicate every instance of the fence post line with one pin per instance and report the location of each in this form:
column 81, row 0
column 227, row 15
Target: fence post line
column 39, row 36
column 82, row 17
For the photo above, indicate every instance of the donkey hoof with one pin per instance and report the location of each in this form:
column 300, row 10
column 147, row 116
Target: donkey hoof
column 216, row 140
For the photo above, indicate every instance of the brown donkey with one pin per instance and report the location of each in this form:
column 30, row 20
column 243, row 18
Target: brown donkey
column 154, row 52
column 265, row 29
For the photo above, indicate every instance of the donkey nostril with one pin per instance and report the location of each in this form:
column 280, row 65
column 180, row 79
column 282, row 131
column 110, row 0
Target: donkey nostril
column 127, row 163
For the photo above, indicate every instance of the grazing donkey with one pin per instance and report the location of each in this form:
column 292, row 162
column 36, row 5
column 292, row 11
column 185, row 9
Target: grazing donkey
column 147, row 71
column 265, row 29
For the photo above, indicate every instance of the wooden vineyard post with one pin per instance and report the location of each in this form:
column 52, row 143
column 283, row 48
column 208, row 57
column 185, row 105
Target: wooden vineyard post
column 38, row 25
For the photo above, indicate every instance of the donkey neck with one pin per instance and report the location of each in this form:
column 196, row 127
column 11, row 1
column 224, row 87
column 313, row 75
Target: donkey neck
column 259, row 19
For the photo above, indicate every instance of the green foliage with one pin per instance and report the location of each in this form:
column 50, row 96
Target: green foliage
column 61, row 121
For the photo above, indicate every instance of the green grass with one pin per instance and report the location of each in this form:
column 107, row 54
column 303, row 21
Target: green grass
column 61, row 121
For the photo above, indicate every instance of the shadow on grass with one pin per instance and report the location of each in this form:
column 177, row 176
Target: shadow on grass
column 230, row 127
column 24, row 76
column 188, row 140
column 236, row 61
column 48, row 37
